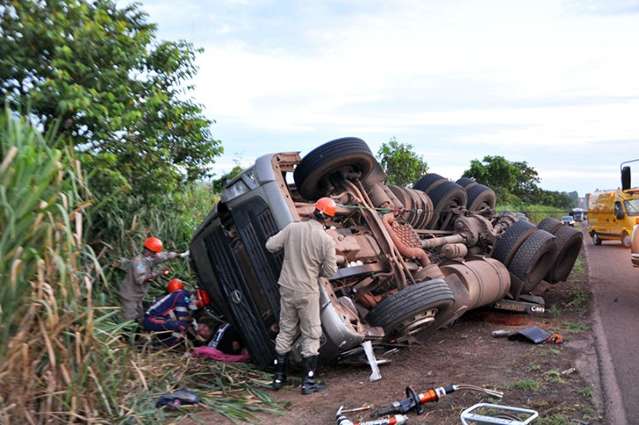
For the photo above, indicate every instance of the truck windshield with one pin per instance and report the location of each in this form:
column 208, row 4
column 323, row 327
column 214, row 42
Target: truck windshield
column 632, row 206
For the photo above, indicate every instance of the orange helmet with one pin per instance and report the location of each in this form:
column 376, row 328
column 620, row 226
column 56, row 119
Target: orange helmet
column 201, row 298
column 327, row 206
column 153, row 244
column 174, row 285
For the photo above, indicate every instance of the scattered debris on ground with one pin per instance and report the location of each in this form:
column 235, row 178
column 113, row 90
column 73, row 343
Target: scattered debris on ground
column 549, row 378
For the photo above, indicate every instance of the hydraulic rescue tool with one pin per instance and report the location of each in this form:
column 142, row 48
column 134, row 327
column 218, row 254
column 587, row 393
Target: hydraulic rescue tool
column 415, row 401
column 341, row 419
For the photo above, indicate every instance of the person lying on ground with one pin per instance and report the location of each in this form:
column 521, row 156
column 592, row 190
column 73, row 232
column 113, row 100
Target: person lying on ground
column 141, row 271
column 224, row 345
column 171, row 316
column 225, row 338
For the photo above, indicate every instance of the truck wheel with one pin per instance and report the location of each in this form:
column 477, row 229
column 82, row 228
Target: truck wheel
column 480, row 197
column 509, row 242
column 413, row 309
column 549, row 224
column 569, row 243
column 465, row 181
column 626, row 240
column 445, row 197
column 596, row 239
column 350, row 155
column 427, row 181
column 533, row 261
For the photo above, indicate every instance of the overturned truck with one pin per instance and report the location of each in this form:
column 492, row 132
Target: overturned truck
column 411, row 260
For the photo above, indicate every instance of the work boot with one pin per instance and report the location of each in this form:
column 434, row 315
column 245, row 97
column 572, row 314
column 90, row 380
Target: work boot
column 309, row 385
column 279, row 378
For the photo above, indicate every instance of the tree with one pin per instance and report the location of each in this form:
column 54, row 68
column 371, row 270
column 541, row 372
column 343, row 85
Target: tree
column 401, row 163
column 496, row 172
column 116, row 92
column 515, row 182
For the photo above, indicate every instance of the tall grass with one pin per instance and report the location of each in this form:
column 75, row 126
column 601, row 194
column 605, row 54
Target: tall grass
column 54, row 363
column 62, row 358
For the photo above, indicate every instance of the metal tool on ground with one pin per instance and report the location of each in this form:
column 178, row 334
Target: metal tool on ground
column 415, row 401
column 341, row 419
column 495, row 414
column 372, row 361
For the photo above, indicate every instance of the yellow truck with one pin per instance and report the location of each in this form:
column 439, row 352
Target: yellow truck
column 612, row 215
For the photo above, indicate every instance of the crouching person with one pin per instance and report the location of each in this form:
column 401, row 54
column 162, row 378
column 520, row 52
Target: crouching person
column 309, row 253
column 172, row 314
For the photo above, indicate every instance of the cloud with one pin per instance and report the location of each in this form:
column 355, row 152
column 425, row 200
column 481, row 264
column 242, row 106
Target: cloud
column 532, row 81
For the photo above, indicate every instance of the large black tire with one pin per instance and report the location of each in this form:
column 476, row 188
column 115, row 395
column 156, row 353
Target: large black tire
column 348, row 154
column 480, row 197
column 533, row 261
column 446, row 196
column 509, row 242
column 569, row 243
column 549, row 224
column 398, row 311
column 466, row 181
column 427, row 181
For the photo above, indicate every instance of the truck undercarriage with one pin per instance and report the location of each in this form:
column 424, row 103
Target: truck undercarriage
column 411, row 260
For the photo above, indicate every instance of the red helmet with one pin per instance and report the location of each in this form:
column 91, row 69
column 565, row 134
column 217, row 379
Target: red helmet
column 153, row 244
column 327, row 206
column 201, row 298
column 174, row 285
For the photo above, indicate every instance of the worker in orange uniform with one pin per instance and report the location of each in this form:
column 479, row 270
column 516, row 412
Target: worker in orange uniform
column 309, row 253
column 140, row 273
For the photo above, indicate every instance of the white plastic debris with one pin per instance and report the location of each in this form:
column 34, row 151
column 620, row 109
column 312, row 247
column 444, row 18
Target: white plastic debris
column 372, row 361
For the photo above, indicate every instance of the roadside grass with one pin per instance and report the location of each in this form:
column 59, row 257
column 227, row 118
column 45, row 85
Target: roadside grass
column 575, row 327
column 555, row 310
column 579, row 268
column 554, row 376
column 585, row 392
column 557, row 419
column 526, row 384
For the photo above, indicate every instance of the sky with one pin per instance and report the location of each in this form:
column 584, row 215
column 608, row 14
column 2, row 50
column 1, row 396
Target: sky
column 553, row 83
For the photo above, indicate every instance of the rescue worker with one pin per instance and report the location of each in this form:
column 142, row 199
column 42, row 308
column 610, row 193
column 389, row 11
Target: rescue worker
column 173, row 312
column 309, row 253
column 139, row 274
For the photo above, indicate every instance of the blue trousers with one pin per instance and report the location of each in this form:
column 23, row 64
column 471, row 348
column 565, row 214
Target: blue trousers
column 172, row 330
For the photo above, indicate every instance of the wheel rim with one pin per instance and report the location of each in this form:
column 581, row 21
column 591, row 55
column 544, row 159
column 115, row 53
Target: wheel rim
column 418, row 322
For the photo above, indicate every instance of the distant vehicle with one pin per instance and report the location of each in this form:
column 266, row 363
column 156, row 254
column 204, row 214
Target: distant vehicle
column 579, row 214
column 612, row 215
column 569, row 220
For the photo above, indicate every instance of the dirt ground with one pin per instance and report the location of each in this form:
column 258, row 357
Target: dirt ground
column 529, row 375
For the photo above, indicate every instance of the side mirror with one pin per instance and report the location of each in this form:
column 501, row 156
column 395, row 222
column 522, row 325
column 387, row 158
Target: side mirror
column 625, row 177
column 619, row 214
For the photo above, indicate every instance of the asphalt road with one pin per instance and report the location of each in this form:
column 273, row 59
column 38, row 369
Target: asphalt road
column 615, row 286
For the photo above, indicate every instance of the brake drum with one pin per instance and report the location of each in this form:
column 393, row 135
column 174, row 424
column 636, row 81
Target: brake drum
column 486, row 280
